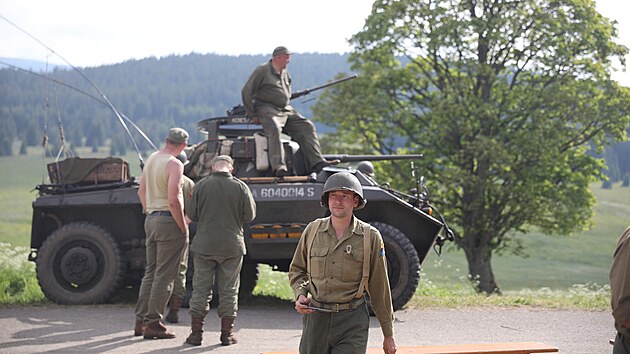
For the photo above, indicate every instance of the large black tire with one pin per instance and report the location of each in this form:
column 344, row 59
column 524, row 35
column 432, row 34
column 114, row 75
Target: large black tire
column 403, row 264
column 78, row 264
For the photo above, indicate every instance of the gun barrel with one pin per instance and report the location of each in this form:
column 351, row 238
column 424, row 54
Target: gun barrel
column 309, row 90
column 356, row 158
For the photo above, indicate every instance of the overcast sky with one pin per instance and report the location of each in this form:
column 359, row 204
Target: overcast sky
column 93, row 33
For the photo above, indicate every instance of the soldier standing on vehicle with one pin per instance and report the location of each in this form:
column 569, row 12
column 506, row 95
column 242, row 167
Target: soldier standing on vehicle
column 220, row 205
column 266, row 99
column 160, row 193
column 620, row 291
column 337, row 260
column 179, row 285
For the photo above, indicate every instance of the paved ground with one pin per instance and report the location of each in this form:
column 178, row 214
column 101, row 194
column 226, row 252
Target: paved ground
column 108, row 328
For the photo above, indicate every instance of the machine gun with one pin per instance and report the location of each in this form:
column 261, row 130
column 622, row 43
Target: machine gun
column 357, row 158
column 309, row 90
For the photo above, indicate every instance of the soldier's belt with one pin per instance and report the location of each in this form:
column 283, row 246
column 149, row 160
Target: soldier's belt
column 326, row 307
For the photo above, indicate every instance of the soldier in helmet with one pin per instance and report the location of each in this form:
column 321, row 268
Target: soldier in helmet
column 266, row 98
column 337, row 261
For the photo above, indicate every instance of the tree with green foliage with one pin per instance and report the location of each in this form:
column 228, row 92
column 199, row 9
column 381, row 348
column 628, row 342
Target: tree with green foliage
column 503, row 98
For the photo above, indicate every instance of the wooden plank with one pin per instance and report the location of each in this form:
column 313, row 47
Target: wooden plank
column 490, row 348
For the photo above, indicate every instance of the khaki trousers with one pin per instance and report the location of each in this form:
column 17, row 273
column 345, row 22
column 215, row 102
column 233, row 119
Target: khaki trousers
column 226, row 271
column 179, row 285
column 165, row 245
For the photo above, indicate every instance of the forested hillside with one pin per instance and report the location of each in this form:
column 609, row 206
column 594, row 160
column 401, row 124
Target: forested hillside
column 155, row 93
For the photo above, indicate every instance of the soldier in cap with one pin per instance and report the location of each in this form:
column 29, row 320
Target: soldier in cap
column 337, row 261
column 220, row 205
column 266, row 98
column 166, row 229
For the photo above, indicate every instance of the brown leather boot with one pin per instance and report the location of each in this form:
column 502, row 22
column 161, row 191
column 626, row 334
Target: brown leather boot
column 138, row 330
column 156, row 330
column 196, row 327
column 173, row 307
column 227, row 324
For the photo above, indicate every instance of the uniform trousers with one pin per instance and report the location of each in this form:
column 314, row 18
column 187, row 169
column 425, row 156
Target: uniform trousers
column 179, row 285
column 275, row 121
column 622, row 345
column 344, row 332
column 226, row 271
column 165, row 245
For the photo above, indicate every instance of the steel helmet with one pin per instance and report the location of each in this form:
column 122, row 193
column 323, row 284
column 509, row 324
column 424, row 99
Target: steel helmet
column 183, row 158
column 366, row 168
column 343, row 181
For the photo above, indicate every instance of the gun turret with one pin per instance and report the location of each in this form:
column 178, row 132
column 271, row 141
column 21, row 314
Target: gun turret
column 357, row 158
column 309, row 90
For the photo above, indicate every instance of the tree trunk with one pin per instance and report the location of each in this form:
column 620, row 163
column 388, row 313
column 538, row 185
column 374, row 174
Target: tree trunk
column 480, row 268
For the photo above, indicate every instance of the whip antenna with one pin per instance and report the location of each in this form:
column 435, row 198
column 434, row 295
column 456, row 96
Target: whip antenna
column 103, row 96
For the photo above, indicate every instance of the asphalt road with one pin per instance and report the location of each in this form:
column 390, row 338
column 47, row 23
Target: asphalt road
column 109, row 328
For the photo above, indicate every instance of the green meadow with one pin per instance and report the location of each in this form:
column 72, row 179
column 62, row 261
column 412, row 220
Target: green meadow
column 557, row 268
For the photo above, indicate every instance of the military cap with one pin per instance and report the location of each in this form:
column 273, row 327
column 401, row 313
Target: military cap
column 177, row 136
column 280, row 50
column 225, row 158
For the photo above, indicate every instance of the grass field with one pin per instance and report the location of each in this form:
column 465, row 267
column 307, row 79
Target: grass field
column 567, row 263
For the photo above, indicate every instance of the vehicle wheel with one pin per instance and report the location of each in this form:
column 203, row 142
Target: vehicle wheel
column 403, row 264
column 80, row 263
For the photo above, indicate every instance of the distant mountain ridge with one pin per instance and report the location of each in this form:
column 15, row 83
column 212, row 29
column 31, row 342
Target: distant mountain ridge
column 28, row 64
column 156, row 93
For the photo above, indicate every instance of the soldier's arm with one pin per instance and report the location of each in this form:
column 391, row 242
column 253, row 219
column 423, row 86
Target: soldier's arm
column 247, row 93
column 298, row 272
column 175, row 171
column 619, row 286
column 192, row 211
column 249, row 210
column 142, row 192
column 378, row 285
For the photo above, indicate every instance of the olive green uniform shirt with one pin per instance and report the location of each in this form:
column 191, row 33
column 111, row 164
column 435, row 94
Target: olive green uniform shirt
column 620, row 284
column 336, row 268
column 265, row 86
column 220, row 205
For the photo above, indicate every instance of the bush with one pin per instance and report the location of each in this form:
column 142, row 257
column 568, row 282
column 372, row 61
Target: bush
column 626, row 180
column 607, row 184
column 18, row 281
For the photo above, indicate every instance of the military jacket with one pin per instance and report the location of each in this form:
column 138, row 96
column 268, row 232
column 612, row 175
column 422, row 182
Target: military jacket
column 620, row 284
column 220, row 205
column 265, row 86
column 335, row 268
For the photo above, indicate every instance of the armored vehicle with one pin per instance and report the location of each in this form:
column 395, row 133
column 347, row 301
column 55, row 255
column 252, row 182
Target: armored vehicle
column 88, row 236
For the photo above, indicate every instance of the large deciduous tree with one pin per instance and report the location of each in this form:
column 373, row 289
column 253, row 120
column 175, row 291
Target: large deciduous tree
column 509, row 101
